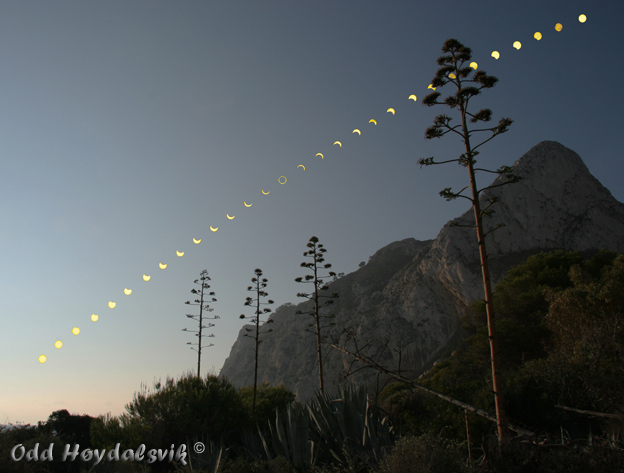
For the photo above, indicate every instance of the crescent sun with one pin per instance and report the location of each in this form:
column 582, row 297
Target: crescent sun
column 197, row 242
column 162, row 266
column 247, row 205
column 357, row 131
column 373, row 121
column 230, row 218
column 180, row 253
column 213, row 229
column 390, row 110
column 413, row 97
column 338, row 143
column 146, row 278
column 301, row 166
column 266, row 193
column 319, row 154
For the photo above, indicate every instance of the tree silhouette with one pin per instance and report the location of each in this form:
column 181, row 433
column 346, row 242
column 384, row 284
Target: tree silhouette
column 316, row 253
column 68, row 427
column 455, row 69
column 260, row 284
column 200, row 318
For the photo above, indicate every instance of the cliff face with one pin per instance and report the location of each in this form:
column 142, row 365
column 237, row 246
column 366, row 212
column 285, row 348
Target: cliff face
column 411, row 294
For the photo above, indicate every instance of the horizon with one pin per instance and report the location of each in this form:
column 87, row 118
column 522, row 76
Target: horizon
column 131, row 129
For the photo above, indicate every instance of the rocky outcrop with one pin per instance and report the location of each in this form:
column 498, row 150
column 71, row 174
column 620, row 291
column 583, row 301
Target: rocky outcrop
column 408, row 300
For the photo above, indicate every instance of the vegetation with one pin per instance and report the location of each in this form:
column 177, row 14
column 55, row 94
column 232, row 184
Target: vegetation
column 268, row 399
column 260, row 285
column 547, row 359
column 316, row 252
column 456, row 69
column 200, row 318
column 562, row 346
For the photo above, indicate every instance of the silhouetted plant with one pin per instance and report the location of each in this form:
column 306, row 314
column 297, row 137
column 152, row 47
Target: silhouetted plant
column 259, row 285
column 316, row 252
column 200, row 318
column 69, row 428
column 455, row 69
column 268, row 399
column 186, row 408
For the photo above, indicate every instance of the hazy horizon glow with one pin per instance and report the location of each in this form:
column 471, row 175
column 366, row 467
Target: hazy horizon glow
column 222, row 136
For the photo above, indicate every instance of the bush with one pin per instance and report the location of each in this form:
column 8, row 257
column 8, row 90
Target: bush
column 191, row 407
column 425, row 454
column 528, row 458
column 268, row 399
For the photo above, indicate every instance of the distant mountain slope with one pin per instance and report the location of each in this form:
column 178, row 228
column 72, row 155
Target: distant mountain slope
column 413, row 293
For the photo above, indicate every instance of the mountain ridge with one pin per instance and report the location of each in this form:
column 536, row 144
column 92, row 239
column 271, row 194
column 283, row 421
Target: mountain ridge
column 410, row 296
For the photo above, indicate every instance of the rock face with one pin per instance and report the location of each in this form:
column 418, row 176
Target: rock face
column 411, row 294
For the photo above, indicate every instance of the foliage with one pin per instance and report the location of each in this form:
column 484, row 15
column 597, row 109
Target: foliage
column 585, row 367
column 316, row 252
column 203, row 306
column 260, row 292
column 189, row 407
column 561, row 343
column 349, row 425
column 347, row 431
column 107, row 431
column 407, row 409
column 425, row 454
column 69, row 428
column 268, row 399
column 456, row 69
column 290, row 437
column 28, row 436
column 244, row 465
column 527, row 458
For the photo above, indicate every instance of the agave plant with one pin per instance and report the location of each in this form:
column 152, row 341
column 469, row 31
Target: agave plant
column 349, row 424
column 205, row 461
column 290, row 437
column 328, row 429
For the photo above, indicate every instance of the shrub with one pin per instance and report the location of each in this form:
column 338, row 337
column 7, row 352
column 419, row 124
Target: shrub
column 190, row 407
column 424, row 454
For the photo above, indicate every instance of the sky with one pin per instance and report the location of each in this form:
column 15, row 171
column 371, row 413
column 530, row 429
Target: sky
column 128, row 128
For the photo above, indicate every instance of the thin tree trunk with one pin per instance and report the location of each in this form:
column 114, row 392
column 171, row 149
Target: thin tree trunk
column 318, row 329
column 489, row 303
column 253, row 406
column 201, row 308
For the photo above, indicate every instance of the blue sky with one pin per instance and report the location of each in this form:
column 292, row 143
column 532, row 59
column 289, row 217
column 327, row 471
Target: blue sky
column 130, row 127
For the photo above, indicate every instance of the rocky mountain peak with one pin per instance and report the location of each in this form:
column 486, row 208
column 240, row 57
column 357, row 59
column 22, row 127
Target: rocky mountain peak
column 410, row 296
